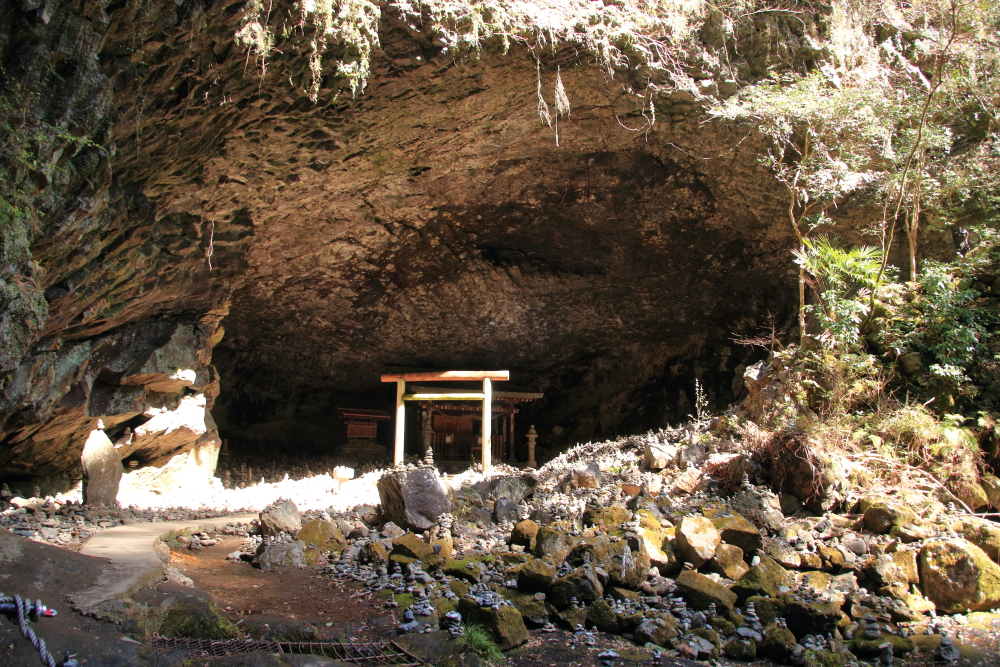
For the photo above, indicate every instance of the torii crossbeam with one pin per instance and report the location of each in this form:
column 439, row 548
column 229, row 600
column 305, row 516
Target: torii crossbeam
column 440, row 376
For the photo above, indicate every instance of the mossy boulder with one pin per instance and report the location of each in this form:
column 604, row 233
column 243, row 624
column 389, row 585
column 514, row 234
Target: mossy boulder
column 869, row 648
column 701, row 591
column 323, row 534
column 601, row 614
column 768, row 609
column 625, row 561
column 824, row 659
column 765, row 578
column 524, row 533
column 648, row 520
column 811, row 617
column 572, row 616
column 608, row 517
column 534, row 612
column 958, row 576
column 504, row 625
column 375, row 554
column 195, row 618
column 744, row 650
column 412, row 546
column 729, row 562
column 554, row 542
column 465, row 568
column 657, row 631
column 881, row 517
column 582, row 583
column 984, row 534
column 736, row 530
column 779, row 643
column 660, row 551
column 622, row 594
column 536, row 576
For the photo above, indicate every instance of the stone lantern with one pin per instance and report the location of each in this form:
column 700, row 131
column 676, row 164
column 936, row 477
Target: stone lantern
column 532, row 436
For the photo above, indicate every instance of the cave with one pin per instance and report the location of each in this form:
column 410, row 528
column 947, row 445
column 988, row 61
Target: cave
column 220, row 258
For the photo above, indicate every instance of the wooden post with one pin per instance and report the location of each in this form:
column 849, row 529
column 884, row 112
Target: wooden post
column 487, row 425
column 397, row 454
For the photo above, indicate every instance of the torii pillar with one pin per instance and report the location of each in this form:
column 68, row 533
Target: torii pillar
column 486, row 395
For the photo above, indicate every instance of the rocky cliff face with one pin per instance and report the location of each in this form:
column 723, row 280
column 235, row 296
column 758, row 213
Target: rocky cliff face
column 432, row 221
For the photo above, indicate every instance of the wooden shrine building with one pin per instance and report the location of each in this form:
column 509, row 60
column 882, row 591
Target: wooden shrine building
column 449, row 417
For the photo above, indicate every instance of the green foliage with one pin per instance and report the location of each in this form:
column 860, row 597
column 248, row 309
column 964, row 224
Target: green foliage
column 477, row 640
column 843, row 280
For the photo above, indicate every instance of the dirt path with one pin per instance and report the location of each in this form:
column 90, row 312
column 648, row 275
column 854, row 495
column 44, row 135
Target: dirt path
column 339, row 610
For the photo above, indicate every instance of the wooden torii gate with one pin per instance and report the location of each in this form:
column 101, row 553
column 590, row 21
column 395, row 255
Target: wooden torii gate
column 486, row 396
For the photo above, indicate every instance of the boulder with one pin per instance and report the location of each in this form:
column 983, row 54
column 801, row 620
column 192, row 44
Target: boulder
column 881, row 517
column 282, row 554
column 469, row 570
column 412, row 546
column 374, row 553
column 899, row 567
column 736, row 530
column 413, row 498
column 957, row 576
column 534, row 612
column 729, row 562
column 765, row 578
column 701, row 591
column 600, row 614
column 582, row 584
column 535, row 576
column 102, row 470
column 505, row 510
column 504, row 625
column 812, row 617
column 984, row 534
column 507, row 487
column 324, row 534
column 281, row 517
column 554, row 543
column 194, row 618
column 625, row 560
column 657, row 631
column 586, row 477
column 744, row 650
column 660, row 551
column 659, row 455
column 779, row 643
column 609, row 517
column 524, row 533
column 696, row 539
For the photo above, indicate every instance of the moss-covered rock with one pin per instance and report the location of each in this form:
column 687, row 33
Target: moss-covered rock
column 768, row 609
column 572, row 616
column 766, row 579
column 701, row 591
column 729, row 562
column 811, row 617
column 412, row 546
column 660, row 551
column 736, row 530
column 534, row 612
column 625, row 560
column 536, row 576
column 958, row 576
column 554, row 543
column 778, row 644
column 606, row 517
column 192, row 617
column 601, row 614
column 648, row 521
column 744, row 650
column 504, row 625
column 657, row 631
column 824, row 659
column 984, row 534
column 869, row 648
column 375, row 554
column 880, row 517
column 465, row 568
column 323, row 534
column 524, row 533
column 582, row 583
